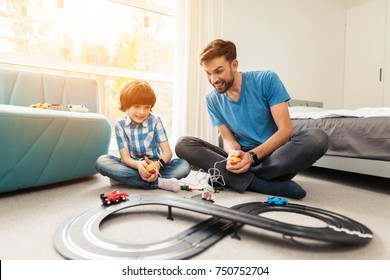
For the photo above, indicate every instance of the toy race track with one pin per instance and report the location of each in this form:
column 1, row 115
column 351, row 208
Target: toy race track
column 80, row 238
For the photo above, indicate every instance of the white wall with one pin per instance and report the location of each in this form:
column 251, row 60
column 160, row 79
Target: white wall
column 302, row 40
column 352, row 3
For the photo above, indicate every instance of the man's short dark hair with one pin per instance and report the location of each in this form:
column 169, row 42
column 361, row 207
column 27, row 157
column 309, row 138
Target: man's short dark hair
column 218, row 48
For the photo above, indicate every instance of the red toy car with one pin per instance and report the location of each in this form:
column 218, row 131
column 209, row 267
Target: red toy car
column 113, row 197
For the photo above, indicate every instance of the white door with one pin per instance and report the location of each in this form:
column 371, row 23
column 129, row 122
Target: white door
column 364, row 55
column 386, row 72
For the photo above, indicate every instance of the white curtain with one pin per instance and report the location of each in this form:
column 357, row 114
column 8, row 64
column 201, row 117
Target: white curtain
column 198, row 23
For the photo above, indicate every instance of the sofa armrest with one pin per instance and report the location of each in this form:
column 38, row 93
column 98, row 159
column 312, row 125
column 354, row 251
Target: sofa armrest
column 41, row 147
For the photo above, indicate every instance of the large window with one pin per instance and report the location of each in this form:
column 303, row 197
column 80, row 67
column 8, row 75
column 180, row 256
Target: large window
column 112, row 41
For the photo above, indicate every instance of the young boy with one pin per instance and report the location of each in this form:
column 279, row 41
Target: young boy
column 143, row 145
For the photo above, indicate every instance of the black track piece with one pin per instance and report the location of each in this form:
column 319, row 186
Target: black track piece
column 79, row 237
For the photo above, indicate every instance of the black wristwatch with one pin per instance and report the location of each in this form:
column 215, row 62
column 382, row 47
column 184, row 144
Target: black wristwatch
column 162, row 162
column 255, row 160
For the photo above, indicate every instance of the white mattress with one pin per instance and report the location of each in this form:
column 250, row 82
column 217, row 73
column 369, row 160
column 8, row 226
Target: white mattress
column 301, row 112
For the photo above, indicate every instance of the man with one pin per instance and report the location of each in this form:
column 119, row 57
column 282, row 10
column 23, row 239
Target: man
column 251, row 112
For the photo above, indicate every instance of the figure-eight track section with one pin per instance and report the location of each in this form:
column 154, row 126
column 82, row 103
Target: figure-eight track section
column 79, row 237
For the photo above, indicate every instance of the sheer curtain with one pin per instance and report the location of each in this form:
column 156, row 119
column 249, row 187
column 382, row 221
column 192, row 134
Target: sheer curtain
column 198, row 22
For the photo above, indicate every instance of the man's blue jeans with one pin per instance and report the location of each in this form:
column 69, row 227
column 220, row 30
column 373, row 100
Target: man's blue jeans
column 112, row 167
column 302, row 150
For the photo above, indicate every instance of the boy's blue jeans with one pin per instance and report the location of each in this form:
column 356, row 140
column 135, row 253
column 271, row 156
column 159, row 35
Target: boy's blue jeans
column 302, row 150
column 112, row 167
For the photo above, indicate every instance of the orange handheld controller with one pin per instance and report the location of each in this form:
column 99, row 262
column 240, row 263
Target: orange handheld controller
column 234, row 160
column 151, row 168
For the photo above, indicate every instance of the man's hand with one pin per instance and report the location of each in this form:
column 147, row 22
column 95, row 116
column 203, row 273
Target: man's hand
column 240, row 166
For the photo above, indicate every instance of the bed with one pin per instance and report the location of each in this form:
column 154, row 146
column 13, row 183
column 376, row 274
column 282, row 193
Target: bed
column 359, row 139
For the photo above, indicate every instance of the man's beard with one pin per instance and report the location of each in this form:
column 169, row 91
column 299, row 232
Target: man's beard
column 227, row 85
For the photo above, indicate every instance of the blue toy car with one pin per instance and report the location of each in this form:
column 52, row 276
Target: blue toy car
column 274, row 200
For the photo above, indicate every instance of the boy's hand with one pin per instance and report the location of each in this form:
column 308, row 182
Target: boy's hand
column 146, row 174
column 239, row 166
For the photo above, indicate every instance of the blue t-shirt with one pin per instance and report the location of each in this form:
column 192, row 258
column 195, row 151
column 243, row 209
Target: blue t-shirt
column 249, row 118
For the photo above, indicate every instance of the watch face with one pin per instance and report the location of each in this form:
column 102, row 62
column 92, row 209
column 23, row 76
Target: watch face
column 254, row 156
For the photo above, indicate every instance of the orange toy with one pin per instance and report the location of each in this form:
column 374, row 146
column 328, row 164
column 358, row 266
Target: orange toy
column 151, row 168
column 234, row 160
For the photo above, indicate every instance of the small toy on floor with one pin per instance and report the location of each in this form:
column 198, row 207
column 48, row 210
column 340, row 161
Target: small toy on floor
column 274, row 200
column 208, row 195
column 185, row 187
column 113, row 197
column 188, row 188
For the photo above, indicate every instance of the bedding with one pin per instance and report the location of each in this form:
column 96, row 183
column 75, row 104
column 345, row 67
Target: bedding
column 363, row 133
column 301, row 112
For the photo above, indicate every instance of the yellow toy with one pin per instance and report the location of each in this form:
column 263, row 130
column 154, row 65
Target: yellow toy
column 57, row 107
column 234, row 160
column 151, row 168
column 40, row 106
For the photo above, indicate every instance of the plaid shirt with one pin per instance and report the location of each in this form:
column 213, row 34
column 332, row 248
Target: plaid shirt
column 140, row 139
